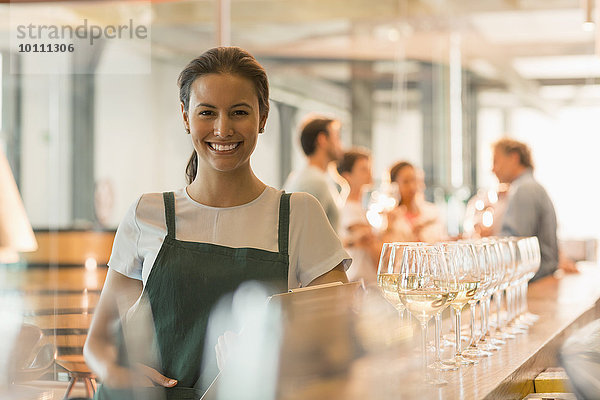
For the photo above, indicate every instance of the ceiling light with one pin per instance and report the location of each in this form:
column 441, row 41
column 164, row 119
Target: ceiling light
column 588, row 26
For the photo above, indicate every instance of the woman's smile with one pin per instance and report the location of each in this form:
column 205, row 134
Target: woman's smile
column 223, row 148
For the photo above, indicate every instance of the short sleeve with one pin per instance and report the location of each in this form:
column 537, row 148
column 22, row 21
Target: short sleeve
column 314, row 249
column 124, row 257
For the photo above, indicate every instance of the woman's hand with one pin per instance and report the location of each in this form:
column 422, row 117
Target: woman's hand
column 118, row 377
column 223, row 347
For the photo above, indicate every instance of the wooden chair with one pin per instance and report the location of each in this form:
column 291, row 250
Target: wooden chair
column 78, row 370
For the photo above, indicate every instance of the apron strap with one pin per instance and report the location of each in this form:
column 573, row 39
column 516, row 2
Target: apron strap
column 284, row 222
column 169, row 199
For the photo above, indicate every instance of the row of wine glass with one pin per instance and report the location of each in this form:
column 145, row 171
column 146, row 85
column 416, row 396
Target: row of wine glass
column 426, row 278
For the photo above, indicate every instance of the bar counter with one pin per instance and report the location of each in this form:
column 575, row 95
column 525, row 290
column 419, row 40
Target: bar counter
column 563, row 305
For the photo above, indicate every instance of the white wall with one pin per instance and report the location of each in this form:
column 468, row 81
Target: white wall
column 265, row 160
column 490, row 128
column 46, row 148
column 396, row 137
column 565, row 153
column 140, row 142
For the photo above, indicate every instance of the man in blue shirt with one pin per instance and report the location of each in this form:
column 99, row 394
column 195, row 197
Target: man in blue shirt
column 529, row 211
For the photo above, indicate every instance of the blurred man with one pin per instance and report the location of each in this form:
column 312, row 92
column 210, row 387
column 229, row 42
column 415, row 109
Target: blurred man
column 355, row 231
column 320, row 140
column 529, row 211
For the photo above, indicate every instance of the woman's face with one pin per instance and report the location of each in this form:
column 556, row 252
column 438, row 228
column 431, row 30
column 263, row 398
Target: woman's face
column 407, row 183
column 224, row 120
column 361, row 173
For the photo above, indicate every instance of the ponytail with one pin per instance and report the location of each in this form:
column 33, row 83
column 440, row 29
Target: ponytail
column 192, row 168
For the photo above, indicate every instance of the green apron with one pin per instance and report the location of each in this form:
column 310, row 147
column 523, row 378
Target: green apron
column 186, row 281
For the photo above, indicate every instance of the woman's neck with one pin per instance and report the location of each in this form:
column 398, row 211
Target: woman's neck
column 411, row 205
column 355, row 194
column 225, row 189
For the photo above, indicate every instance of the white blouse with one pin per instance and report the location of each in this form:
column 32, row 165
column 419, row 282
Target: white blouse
column 313, row 247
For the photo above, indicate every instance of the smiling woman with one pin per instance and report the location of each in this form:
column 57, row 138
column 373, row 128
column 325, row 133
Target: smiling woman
column 180, row 252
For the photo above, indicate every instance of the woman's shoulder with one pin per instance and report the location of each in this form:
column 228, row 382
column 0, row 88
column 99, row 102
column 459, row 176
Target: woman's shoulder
column 151, row 206
column 303, row 200
column 149, row 201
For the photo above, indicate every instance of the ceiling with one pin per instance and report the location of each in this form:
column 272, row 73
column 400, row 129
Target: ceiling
column 520, row 44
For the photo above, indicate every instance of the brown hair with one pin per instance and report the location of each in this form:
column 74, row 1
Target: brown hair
column 396, row 168
column 222, row 60
column 310, row 131
column 350, row 158
column 511, row 146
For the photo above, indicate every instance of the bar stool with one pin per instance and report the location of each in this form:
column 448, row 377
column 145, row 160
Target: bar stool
column 78, row 370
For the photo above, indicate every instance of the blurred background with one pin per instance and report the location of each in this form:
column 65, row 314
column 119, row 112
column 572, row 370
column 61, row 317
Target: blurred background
column 434, row 82
column 430, row 81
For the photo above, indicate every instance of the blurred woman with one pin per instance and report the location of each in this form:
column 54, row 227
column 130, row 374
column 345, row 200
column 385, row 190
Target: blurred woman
column 414, row 220
column 355, row 231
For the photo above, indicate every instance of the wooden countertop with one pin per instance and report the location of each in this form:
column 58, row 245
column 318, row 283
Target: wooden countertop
column 563, row 306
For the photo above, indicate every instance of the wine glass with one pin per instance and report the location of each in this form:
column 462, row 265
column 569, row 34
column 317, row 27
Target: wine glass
column 388, row 272
column 423, row 288
column 497, row 273
column 515, row 288
column 482, row 259
column 439, row 364
column 507, row 263
column 462, row 264
column 531, row 247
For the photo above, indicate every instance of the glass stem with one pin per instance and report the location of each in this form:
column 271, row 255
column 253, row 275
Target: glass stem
column 457, row 330
column 508, row 300
column 498, row 300
column 519, row 307
column 472, row 309
column 488, row 302
column 482, row 322
column 525, row 305
column 438, row 332
column 424, row 348
column 517, row 301
column 513, row 298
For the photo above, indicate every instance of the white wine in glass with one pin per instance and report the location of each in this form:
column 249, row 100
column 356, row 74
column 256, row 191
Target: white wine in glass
column 423, row 288
column 388, row 272
column 424, row 304
column 461, row 263
column 389, row 286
